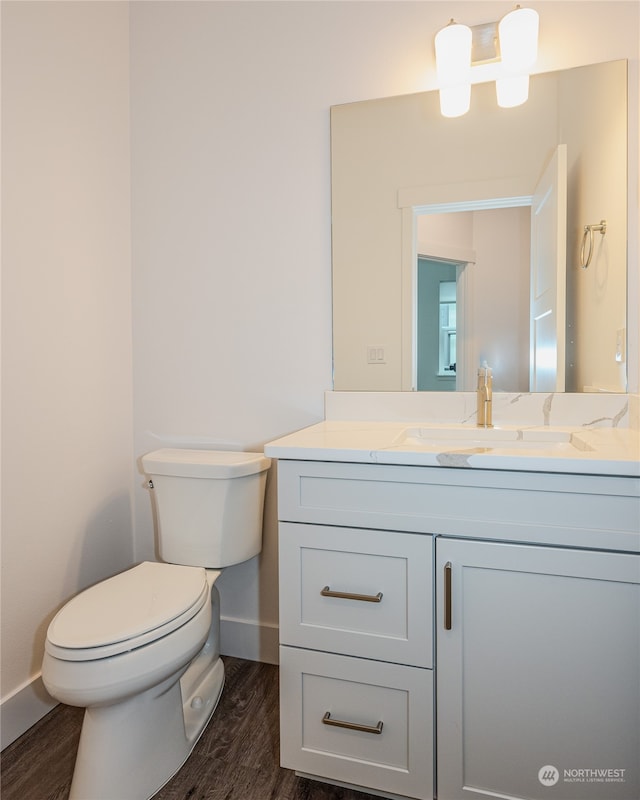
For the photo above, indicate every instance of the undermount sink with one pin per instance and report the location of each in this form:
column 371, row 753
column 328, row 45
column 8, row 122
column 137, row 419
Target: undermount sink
column 464, row 437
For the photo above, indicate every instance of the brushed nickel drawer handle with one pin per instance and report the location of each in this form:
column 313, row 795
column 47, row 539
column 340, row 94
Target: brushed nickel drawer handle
column 352, row 726
column 367, row 598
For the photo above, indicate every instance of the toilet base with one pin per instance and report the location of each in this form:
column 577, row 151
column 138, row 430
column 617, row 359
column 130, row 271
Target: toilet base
column 131, row 749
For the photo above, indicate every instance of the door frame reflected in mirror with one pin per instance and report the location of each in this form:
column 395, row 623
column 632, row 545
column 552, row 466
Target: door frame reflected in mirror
column 541, row 364
column 468, row 348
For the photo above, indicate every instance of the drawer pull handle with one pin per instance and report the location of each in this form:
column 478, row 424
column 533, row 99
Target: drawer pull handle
column 447, row 596
column 367, row 598
column 352, row 726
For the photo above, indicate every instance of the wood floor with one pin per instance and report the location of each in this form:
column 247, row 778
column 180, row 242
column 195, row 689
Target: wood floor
column 236, row 758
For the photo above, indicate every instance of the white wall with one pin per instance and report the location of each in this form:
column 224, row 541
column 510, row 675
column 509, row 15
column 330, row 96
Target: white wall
column 597, row 165
column 231, row 212
column 501, row 280
column 231, row 253
column 66, row 314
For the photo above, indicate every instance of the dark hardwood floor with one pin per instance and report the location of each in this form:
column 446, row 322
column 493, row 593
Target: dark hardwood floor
column 236, row 758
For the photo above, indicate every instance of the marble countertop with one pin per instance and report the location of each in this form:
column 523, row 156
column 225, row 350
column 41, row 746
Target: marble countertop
column 564, row 449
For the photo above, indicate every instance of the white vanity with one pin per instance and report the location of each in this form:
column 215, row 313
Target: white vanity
column 461, row 618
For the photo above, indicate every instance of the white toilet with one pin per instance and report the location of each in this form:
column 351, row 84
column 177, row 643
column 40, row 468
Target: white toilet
column 140, row 651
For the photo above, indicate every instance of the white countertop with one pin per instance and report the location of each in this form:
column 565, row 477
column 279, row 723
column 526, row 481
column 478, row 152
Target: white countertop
column 582, row 450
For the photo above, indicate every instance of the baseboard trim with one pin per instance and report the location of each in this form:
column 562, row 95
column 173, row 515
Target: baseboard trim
column 254, row 641
column 22, row 709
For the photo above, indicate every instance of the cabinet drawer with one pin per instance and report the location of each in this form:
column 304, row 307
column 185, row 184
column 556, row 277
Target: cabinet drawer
column 594, row 511
column 397, row 700
column 357, row 592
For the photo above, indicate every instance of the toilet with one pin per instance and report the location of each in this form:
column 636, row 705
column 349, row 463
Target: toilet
column 140, row 651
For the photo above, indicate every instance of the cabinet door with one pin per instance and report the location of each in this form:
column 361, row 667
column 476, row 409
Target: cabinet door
column 538, row 675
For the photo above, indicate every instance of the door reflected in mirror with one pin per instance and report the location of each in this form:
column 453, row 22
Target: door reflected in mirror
column 393, row 158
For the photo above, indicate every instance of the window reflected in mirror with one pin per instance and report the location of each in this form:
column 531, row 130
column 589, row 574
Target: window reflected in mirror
column 447, row 337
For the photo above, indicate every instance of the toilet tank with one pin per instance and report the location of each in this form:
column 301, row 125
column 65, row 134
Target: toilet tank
column 209, row 505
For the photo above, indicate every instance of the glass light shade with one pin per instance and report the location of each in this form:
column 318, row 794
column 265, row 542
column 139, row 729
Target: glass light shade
column 512, row 91
column 455, row 100
column 518, row 34
column 453, row 54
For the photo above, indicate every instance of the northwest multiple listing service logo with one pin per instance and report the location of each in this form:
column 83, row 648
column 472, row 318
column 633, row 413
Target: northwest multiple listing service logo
column 550, row 775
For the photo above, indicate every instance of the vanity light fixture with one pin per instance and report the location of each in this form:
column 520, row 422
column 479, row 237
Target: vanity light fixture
column 503, row 51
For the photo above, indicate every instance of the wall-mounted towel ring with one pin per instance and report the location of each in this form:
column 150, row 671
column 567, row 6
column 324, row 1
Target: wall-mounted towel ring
column 588, row 234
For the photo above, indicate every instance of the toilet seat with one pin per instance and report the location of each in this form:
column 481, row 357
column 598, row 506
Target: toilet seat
column 127, row 611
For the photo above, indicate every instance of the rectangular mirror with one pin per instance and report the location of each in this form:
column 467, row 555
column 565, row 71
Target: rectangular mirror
column 496, row 202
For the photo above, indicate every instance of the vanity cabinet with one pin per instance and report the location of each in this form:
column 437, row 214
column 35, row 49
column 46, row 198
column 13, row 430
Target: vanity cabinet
column 538, row 663
column 531, row 582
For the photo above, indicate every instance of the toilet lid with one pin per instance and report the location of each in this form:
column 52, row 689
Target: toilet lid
column 145, row 602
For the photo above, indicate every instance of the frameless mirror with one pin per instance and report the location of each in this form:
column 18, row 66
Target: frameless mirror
column 459, row 241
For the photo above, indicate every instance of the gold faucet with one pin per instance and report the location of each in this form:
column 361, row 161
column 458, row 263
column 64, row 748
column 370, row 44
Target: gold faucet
column 485, row 397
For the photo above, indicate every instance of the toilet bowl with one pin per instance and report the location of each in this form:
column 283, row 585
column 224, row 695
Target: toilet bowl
column 140, row 650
